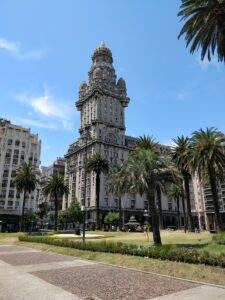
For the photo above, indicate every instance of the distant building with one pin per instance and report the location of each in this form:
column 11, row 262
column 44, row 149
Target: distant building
column 17, row 145
column 57, row 167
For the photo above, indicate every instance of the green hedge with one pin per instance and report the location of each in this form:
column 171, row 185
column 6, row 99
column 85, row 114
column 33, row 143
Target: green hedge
column 187, row 255
column 219, row 238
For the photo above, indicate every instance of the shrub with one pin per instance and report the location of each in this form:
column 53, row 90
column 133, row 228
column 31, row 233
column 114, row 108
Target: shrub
column 167, row 252
column 219, row 238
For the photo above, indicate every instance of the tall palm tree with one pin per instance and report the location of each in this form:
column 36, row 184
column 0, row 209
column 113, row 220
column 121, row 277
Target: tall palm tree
column 204, row 27
column 56, row 187
column 116, row 186
column 208, row 147
column 25, row 181
column 149, row 143
column 181, row 155
column 98, row 165
column 176, row 193
column 142, row 173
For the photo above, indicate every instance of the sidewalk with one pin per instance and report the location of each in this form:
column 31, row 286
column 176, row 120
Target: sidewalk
column 31, row 274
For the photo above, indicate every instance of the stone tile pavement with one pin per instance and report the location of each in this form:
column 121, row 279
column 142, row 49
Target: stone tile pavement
column 28, row 274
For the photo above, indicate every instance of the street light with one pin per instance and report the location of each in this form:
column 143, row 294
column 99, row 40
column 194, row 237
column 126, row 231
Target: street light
column 86, row 137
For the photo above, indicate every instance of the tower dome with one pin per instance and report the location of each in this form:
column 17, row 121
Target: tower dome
column 102, row 54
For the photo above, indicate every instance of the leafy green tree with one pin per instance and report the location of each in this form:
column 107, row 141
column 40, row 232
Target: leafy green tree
column 74, row 211
column 25, row 181
column 204, row 26
column 62, row 219
column 56, row 187
column 44, row 209
column 208, row 150
column 112, row 218
column 98, row 165
column 143, row 173
column 181, row 155
column 30, row 219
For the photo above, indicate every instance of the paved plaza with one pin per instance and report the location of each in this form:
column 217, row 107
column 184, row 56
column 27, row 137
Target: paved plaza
column 32, row 274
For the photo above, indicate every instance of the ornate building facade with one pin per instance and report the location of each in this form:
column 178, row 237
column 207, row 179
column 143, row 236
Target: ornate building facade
column 102, row 103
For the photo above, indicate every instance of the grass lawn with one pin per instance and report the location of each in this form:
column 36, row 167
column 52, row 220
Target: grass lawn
column 202, row 241
column 202, row 273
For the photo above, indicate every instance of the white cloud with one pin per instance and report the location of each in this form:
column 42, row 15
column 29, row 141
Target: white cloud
column 15, row 49
column 36, row 123
column 47, row 106
column 205, row 64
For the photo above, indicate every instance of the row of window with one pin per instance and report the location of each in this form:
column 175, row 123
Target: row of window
column 17, row 143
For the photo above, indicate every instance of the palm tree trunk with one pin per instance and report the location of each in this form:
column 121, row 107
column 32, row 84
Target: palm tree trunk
column 97, row 200
column 56, row 212
column 120, row 214
column 23, row 207
column 178, row 213
column 159, row 202
column 188, row 202
column 213, row 185
column 184, row 213
column 155, row 220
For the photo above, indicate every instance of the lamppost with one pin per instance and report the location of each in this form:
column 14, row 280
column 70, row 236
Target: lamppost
column 87, row 137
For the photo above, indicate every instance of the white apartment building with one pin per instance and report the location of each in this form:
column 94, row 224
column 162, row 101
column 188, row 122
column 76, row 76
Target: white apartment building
column 17, row 145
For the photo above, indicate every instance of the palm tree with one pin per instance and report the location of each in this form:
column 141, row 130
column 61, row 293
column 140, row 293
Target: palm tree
column 149, row 143
column 116, row 182
column 204, row 27
column 142, row 173
column 98, row 165
column 176, row 193
column 25, row 181
column 56, row 187
column 181, row 155
column 208, row 147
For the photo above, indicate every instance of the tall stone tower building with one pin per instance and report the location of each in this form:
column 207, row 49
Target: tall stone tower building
column 102, row 102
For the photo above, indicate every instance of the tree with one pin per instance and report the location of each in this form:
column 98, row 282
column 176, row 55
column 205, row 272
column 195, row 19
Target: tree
column 98, row 165
column 25, row 181
column 143, row 172
column 149, row 143
column 44, row 209
column 204, row 27
column 74, row 212
column 208, row 150
column 55, row 187
column 176, row 192
column 30, row 218
column 181, row 155
column 115, row 181
column 111, row 218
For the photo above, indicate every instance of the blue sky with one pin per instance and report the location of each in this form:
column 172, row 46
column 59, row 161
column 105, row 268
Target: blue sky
column 45, row 49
